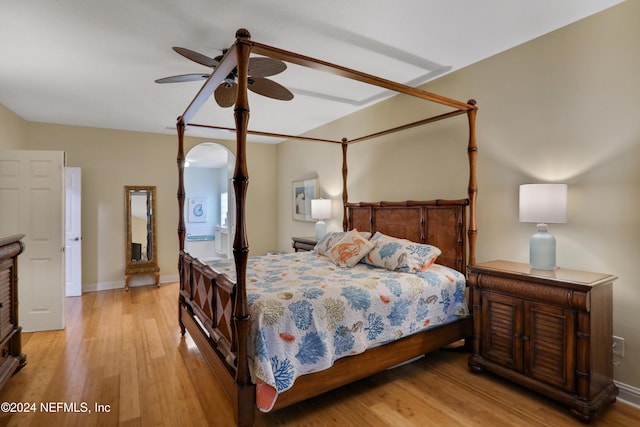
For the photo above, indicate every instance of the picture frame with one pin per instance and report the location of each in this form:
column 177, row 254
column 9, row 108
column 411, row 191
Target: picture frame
column 198, row 209
column 303, row 192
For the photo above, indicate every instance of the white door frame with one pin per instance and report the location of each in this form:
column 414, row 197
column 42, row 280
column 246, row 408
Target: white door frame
column 73, row 232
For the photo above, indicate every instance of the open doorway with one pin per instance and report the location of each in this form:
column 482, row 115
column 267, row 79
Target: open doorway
column 209, row 201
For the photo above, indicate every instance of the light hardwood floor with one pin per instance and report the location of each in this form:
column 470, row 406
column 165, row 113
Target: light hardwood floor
column 123, row 351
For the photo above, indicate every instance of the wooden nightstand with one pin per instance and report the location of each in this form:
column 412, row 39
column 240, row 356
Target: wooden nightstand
column 550, row 331
column 303, row 243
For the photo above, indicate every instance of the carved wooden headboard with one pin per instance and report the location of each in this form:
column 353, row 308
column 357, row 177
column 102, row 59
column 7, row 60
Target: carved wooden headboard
column 441, row 223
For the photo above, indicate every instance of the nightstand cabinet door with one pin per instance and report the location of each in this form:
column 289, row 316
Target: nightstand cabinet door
column 536, row 339
column 548, row 345
column 7, row 287
column 502, row 331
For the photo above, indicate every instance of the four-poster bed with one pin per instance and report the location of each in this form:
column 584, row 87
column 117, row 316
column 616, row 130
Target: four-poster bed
column 214, row 306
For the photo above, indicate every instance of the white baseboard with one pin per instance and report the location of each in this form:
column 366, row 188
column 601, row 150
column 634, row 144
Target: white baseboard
column 628, row 394
column 170, row 279
column 135, row 281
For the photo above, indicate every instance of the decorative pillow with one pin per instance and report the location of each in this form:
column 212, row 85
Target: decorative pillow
column 331, row 238
column 350, row 249
column 400, row 254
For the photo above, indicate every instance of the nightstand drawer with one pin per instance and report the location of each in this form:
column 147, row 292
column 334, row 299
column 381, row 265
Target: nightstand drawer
column 303, row 243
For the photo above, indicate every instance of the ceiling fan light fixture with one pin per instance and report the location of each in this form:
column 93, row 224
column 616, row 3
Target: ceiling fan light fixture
column 225, row 94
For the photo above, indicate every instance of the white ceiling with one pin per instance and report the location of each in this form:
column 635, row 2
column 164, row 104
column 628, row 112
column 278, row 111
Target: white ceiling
column 94, row 62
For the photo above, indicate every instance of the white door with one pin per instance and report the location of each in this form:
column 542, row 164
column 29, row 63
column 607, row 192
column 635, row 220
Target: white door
column 73, row 232
column 32, row 203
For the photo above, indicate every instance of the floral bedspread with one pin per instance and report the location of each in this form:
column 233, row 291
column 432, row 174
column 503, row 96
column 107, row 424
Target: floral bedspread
column 307, row 312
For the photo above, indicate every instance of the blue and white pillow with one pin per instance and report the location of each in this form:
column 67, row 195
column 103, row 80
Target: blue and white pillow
column 400, row 254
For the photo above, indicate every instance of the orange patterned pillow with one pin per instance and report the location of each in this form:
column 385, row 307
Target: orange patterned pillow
column 333, row 237
column 350, row 249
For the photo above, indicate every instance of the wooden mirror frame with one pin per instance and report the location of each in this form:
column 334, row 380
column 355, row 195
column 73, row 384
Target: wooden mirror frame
column 150, row 265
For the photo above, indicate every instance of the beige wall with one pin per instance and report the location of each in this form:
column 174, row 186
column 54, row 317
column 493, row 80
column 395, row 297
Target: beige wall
column 13, row 130
column 111, row 159
column 560, row 108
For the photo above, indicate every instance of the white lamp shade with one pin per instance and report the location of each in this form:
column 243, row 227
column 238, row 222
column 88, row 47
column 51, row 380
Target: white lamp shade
column 543, row 203
column 321, row 208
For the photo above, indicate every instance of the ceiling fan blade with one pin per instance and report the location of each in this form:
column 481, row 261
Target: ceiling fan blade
column 225, row 94
column 269, row 88
column 265, row 67
column 196, row 57
column 183, row 78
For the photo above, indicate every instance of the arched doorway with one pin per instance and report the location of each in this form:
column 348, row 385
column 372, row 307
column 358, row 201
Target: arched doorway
column 209, row 203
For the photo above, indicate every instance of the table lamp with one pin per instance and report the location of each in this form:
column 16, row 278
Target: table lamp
column 320, row 209
column 542, row 204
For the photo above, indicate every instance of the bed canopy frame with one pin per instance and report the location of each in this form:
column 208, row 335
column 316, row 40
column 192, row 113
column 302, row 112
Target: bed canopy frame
column 241, row 391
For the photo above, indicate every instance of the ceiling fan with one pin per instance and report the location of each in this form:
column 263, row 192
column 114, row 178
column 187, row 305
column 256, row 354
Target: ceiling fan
column 225, row 93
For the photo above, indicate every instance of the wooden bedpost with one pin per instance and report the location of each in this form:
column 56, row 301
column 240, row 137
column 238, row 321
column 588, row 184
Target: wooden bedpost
column 181, row 226
column 345, row 195
column 245, row 404
column 181, row 193
column 472, row 151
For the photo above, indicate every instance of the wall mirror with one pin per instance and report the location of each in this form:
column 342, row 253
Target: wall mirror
column 141, row 248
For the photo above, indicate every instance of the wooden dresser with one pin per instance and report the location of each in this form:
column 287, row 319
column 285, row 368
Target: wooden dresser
column 550, row 331
column 12, row 359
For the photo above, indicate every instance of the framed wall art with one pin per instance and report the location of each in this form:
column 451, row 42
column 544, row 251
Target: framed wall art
column 303, row 192
column 198, row 209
